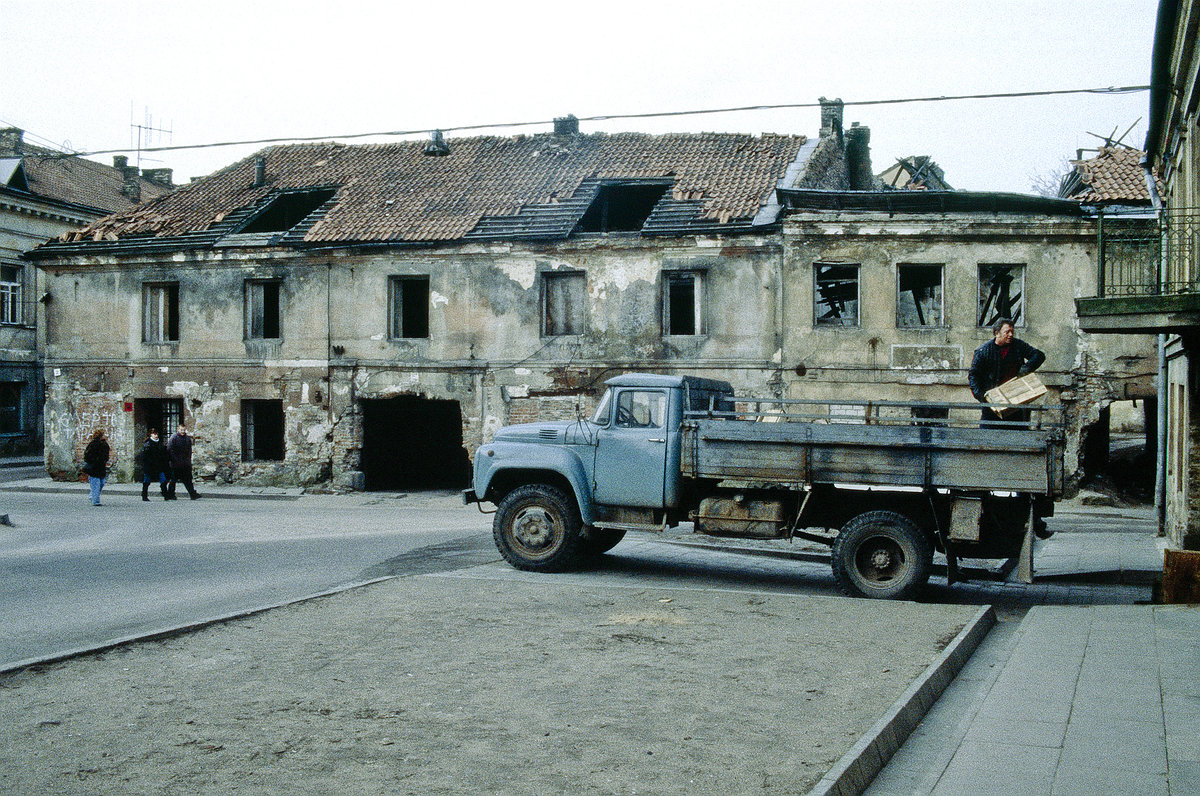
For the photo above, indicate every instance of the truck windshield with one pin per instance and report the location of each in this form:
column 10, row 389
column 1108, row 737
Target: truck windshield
column 600, row 417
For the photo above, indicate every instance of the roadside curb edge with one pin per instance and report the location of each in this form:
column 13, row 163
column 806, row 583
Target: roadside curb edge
column 855, row 771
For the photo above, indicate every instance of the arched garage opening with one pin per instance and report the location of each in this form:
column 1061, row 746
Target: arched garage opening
column 410, row 442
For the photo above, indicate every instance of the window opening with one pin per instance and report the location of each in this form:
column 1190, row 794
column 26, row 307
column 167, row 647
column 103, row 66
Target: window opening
column 409, row 307
column 10, row 294
column 262, row 430
column 160, row 313
column 919, row 298
column 564, row 303
column 684, row 303
column 10, row 407
column 1001, row 294
column 835, row 289
column 164, row 414
column 262, row 309
column 640, row 409
column 287, row 210
column 621, row 207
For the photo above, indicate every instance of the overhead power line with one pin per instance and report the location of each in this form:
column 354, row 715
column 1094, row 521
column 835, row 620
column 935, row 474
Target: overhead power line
column 612, row 117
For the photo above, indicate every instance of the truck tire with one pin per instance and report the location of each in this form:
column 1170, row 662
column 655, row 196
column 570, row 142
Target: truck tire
column 598, row 541
column 537, row 529
column 881, row 554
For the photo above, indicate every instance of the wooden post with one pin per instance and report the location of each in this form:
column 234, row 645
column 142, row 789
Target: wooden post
column 1181, row 577
column 1025, row 559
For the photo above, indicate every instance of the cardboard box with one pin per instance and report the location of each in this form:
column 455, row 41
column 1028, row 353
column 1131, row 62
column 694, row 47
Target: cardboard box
column 1018, row 391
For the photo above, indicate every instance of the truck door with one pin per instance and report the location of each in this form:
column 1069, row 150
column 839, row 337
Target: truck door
column 631, row 451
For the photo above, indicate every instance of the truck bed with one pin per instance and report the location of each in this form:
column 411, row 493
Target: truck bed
column 883, row 454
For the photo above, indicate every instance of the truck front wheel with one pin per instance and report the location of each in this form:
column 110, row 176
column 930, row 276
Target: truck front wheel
column 881, row 554
column 537, row 529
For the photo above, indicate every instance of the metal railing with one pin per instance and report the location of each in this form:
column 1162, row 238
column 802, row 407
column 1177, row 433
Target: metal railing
column 1149, row 257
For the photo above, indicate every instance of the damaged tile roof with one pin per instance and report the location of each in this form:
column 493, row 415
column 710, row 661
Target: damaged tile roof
column 1114, row 176
column 485, row 188
column 78, row 181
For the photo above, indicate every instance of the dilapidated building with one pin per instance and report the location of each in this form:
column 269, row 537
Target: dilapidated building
column 44, row 193
column 365, row 315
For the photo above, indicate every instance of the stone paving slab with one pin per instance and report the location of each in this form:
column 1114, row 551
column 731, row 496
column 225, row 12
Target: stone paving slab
column 453, row 683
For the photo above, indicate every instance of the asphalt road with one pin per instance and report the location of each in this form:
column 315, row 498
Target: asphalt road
column 73, row 575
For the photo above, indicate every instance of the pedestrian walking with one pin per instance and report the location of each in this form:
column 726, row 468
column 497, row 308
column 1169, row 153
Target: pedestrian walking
column 179, row 450
column 1001, row 359
column 95, row 464
column 155, row 465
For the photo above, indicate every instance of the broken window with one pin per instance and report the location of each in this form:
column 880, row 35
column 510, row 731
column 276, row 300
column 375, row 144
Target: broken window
column 683, row 304
column 160, row 312
column 287, row 210
column 919, row 295
column 564, row 303
column 10, row 294
column 1001, row 294
column 10, row 407
column 621, row 206
column 408, row 306
column 835, row 293
column 262, row 309
column 262, row 430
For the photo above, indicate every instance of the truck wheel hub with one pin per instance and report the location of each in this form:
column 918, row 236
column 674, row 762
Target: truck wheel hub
column 533, row 527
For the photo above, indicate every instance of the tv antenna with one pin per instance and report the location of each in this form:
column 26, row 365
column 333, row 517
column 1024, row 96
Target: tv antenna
column 145, row 133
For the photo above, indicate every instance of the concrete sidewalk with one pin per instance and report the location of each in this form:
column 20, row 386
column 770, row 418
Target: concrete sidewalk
column 1072, row 700
column 207, row 489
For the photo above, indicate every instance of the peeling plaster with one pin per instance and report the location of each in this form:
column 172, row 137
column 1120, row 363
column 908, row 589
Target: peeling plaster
column 522, row 371
column 523, row 273
column 436, row 299
column 181, row 388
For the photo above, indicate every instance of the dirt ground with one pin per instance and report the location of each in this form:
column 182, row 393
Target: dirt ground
column 452, row 684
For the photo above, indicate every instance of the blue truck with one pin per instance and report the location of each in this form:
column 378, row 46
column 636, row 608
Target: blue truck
column 884, row 484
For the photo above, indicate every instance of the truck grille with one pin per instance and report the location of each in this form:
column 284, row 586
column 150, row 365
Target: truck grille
column 548, row 433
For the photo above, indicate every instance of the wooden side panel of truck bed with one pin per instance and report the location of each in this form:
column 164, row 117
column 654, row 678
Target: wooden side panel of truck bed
column 1017, row 460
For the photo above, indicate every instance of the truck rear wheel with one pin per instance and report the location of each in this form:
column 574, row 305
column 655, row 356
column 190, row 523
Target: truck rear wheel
column 537, row 528
column 881, row 554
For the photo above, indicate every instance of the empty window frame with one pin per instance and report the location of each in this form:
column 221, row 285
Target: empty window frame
column 835, row 294
column 262, row 430
column 564, row 303
column 10, row 407
column 262, row 309
column 1001, row 294
column 408, row 307
column 10, row 293
column 683, row 302
column 287, row 210
column 919, row 296
column 621, row 207
column 160, row 312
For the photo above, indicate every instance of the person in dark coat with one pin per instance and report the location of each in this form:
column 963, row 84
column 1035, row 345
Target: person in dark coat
column 1001, row 359
column 95, row 464
column 155, row 465
column 179, row 449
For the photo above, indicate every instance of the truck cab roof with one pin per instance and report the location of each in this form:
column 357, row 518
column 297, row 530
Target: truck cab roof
column 659, row 380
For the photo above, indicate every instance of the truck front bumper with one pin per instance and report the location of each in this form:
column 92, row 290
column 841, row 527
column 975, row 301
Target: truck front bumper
column 469, row 497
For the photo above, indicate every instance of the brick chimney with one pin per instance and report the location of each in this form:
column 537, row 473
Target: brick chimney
column 10, row 142
column 132, row 186
column 831, row 117
column 566, row 125
column 858, row 158
column 159, row 176
column 120, row 162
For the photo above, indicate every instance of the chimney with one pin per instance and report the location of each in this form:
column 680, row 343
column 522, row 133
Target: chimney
column 120, row 162
column 831, row 117
column 566, row 125
column 260, row 172
column 10, row 141
column 159, row 176
column 132, row 186
column 437, row 146
column 858, row 158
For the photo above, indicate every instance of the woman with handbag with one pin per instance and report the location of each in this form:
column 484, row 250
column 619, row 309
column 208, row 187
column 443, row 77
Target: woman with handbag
column 95, row 464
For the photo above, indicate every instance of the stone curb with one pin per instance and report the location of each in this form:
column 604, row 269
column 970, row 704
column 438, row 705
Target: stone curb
column 851, row 775
column 81, row 489
column 178, row 630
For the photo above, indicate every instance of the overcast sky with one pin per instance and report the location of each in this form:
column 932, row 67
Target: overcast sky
column 215, row 71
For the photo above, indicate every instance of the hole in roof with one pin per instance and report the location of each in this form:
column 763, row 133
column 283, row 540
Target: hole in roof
column 287, row 210
column 621, row 206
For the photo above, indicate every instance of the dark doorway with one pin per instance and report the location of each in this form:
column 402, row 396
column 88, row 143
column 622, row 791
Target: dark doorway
column 411, row 442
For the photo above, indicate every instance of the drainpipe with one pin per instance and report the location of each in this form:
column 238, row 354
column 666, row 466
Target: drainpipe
column 1160, row 463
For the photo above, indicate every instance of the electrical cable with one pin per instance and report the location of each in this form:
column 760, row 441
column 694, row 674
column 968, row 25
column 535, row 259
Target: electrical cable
column 617, row 116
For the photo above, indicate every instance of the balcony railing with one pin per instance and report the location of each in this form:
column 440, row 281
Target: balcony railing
column 1149, row 257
